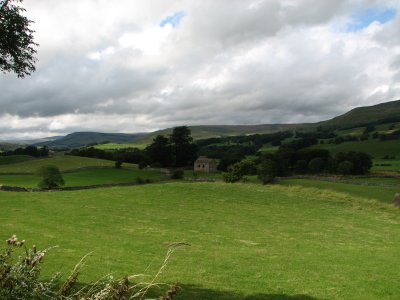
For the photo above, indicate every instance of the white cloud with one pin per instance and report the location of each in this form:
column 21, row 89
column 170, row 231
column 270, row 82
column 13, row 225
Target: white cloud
column 113, row 67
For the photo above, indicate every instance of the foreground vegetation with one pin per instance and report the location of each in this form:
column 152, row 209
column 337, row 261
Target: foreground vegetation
column 254, row 241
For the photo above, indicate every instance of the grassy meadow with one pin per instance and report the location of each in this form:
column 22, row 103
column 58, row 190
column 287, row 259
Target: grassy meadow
column 64, row 163
column 377, row 149
column 85, row 177
column 247, row 241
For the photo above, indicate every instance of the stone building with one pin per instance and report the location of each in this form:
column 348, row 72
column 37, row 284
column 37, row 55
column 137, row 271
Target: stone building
column 205, row 164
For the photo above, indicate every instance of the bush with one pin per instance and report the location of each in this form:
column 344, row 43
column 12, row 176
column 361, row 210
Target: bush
column 140, row 180
column 51, row 177
column 177, row 174
column 231, row 177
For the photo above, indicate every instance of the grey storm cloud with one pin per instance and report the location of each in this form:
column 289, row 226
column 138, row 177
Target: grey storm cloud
column 114, row 68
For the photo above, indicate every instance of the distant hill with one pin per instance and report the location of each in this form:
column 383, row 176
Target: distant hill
column 362, row 116
column 81, row 139
column 210, row 131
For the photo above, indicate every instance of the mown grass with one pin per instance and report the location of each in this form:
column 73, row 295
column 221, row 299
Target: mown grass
column 86, row 177
column 12, row 159
column 378, row 193
column 247, row 241
column 64, row 163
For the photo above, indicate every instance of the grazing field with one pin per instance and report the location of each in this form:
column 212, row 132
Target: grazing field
column 64, row 163
column 86, row 177
column 12, row 159
column 386, row 165
column 247, row 241
column 375, row 148
column 377, row 193
column 115, row 146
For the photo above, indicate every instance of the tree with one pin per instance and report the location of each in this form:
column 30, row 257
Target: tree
column 267, row 171
column 184, row 150
column 51, row 177
column 160, row 151
column 17, row 48
column 316, row 165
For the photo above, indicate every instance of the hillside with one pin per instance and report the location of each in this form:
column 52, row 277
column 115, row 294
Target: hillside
column 388, row 112
column 210, row 131
column 361, row 116
column 80, row 139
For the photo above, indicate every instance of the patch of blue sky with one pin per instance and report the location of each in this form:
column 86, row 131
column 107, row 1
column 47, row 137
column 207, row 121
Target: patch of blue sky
column 362, row 19
column 174, row 20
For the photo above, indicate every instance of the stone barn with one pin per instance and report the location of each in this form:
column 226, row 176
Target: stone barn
column 205, row 164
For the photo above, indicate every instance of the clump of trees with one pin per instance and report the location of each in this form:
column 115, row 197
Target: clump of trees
column 175, row 151
column 29, row 150
column 287, row 162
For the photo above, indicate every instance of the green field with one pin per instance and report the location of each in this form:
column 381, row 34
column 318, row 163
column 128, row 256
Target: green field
column 247, row 241
column 382, row 193
column 386, row 165
column 12, row 159
column 64, row 163
column 86, row 177
column 375, row 148
column 116, row 146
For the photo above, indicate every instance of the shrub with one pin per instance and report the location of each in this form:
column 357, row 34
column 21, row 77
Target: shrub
column 231, row 177
column 140, row 180
column 177, row 174
column 51, row 177
column 20, row 269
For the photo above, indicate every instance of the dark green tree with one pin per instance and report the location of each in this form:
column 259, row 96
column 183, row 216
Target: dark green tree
column 51, row 177
column 185, row 152
column 316, row 165
column 17, row 47
column 267, row 171
column 160, row 152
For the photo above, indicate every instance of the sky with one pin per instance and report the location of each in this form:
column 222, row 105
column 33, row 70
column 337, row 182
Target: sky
column 138, row 66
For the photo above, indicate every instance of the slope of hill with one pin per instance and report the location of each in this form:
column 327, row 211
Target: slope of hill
column 361, row 116
column 80, row 139
column 210, row 131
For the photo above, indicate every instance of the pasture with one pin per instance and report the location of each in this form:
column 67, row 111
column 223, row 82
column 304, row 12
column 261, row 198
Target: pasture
column 86, row 177
column 377, row 149
column 247, row 241
column 64, row 163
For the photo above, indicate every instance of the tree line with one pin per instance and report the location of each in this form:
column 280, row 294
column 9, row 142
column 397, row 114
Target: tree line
column 174, row 151
column 29, row 150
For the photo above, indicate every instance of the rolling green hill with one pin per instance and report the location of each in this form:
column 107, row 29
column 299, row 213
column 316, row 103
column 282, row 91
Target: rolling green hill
column 80, row 139
column 384, row 113
column 381, row 113
column 205, row 131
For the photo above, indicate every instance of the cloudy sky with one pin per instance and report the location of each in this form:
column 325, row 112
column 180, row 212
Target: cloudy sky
column 134, row 66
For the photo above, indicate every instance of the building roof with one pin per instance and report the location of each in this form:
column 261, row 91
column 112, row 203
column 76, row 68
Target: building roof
column 204, row 160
